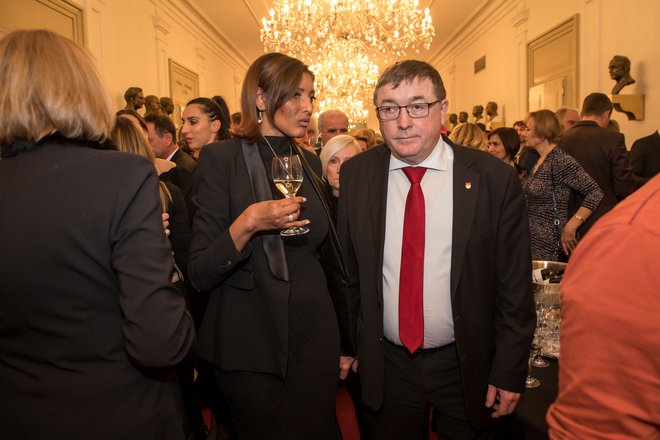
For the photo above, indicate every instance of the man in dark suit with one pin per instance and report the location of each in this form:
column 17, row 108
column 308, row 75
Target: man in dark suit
column 162, row 138
column 602, row 154
column 446, row 314
column 645, row 156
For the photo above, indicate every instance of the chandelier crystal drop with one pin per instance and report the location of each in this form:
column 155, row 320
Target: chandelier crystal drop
column 341, row 41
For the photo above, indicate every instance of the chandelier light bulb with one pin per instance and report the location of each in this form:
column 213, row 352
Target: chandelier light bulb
column 341, row 41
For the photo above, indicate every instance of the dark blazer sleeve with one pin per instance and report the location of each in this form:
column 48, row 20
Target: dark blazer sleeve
column 515, row 317
column 179, row 226
column 158, row 331
column 624, row 180
column 213, row 255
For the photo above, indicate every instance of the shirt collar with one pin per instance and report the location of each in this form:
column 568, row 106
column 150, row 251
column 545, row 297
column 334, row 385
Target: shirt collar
column 439, row 159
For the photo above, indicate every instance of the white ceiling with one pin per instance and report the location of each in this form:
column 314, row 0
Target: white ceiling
column 239, row 21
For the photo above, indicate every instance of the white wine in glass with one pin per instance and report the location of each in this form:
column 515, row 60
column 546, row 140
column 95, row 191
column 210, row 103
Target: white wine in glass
column 288, row 176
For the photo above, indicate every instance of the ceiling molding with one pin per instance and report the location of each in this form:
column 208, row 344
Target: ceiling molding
column 486, row 15
column 193, row 15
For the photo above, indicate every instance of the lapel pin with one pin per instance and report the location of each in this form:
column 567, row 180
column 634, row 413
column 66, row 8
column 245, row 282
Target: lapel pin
column 468, row 184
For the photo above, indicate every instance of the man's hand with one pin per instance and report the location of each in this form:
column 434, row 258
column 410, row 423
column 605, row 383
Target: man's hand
column 345, row 363
column 502, row 401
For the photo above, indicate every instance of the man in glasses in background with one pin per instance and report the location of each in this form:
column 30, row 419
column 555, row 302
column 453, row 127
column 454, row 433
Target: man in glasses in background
column 436, row 241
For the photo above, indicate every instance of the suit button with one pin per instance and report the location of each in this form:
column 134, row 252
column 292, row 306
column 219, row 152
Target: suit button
column 380, row 341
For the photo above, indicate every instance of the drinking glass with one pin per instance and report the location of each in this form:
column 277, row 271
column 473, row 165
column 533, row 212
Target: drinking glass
column 288, row 176
column 531, row 382
column 541, row 299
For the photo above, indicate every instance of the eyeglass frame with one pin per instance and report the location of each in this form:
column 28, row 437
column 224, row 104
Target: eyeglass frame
column 399, row 107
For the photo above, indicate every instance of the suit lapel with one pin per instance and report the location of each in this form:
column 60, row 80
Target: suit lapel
column 466, row 190
column 377, row 184
column 272, row 243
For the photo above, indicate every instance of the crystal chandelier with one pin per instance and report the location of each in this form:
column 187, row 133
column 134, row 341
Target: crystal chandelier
column 341, row 41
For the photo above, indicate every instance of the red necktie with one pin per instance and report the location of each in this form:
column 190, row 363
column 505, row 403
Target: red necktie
column 411, row 279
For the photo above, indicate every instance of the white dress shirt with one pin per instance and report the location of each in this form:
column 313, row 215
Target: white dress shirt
column 437, row 186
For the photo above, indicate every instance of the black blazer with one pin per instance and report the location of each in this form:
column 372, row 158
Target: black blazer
column 88, row 317
column 604, row 157
column 181, row 174
column 245, row 326
column 492, row 304
column 645, row 156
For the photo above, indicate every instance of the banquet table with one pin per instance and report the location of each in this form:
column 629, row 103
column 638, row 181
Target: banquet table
column 528, row 421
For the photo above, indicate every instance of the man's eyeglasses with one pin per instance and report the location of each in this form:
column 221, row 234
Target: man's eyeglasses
column 417, row 110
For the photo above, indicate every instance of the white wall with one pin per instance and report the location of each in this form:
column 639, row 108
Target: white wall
column 133, row 40
column 502, row 29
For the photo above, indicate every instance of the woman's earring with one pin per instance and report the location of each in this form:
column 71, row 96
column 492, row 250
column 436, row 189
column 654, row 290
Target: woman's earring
column 260, row 117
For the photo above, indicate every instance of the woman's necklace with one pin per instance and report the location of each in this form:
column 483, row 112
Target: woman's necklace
column 273, row 151
column 279, row 159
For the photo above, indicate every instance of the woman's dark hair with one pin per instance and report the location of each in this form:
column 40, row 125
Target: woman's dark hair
column 278, row 76
column 212, row 109
column 510, row 140
column 225, row 118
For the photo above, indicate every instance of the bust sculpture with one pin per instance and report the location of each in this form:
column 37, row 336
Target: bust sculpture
column 134, row 98
column 620, row 72
column 167, row 105
column 491, row 110
column 462, row 117
column 478, row 113
column 151, row 104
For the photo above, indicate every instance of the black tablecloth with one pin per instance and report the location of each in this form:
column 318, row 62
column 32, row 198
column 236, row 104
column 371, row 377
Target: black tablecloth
column 528, row 421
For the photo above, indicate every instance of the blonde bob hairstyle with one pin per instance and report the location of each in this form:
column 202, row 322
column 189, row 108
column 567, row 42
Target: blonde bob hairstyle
column 469, row 135
column 334, row 145
column 130, row 138
column 547, row 125
column 49, row 84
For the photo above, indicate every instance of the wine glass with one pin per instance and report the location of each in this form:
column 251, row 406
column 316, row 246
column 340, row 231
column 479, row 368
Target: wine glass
column 531, row 382
column 288, row 176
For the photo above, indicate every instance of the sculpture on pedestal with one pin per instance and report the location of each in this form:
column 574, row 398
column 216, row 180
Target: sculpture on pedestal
column 620, row 72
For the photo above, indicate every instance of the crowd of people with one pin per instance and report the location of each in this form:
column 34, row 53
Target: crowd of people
column 144, row 275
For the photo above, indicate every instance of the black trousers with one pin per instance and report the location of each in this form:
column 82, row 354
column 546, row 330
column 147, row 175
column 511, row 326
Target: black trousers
column 413, row 385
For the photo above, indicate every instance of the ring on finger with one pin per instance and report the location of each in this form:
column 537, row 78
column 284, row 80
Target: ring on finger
column 290, row 218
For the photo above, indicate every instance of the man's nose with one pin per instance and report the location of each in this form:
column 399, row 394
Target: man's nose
column 404, row 120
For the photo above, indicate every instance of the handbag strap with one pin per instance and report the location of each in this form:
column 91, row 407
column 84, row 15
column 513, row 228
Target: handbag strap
column 555, row 210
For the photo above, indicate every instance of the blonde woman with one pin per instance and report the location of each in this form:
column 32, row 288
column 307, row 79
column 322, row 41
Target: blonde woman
column 334, row 153
column 469, row 135
column 90, row 321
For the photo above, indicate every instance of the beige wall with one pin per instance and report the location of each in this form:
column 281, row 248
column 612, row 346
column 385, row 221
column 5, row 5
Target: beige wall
column 133, row 39
column 502, row 29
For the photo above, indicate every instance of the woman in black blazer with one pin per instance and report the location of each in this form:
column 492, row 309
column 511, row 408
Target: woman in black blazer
column 89, row 321
column 270, row 327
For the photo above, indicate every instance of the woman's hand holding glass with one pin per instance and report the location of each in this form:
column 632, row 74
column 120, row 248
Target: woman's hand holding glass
column 275, row 214
column 287, row 174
